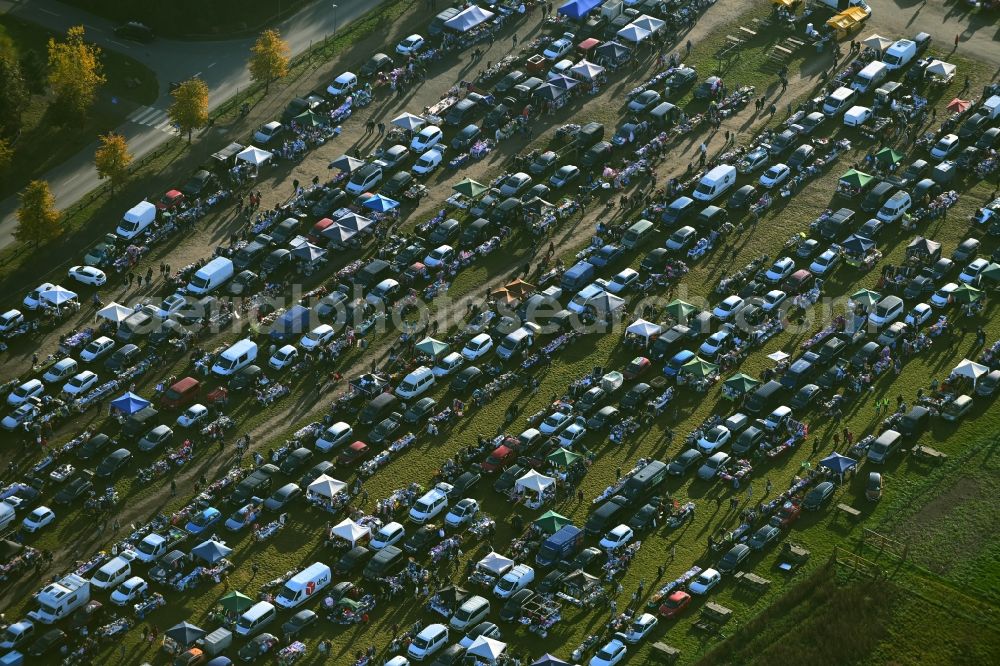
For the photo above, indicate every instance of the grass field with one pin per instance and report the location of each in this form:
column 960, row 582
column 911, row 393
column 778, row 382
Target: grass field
column 906, row 619
column 44, row 142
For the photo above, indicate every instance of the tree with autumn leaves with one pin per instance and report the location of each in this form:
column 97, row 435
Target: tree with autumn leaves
column 268, row 58
column 189, row 110
column 113, row 159
column 37, row 217
column 75, row 73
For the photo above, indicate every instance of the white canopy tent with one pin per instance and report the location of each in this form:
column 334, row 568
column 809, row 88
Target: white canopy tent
column 486, row 650
column 349, row 530
column 495, row 563
column 116, row 313
column 877, row 42
column 535, row 482
column 587, row 70
column 649, row 23
column 644, row 329
column 777, row 356
column 941, row 69
column 325, row 486
column 970, row 370
column 58, row 295
column 254, row 155
column 467, row 19
column 634, row 33
column 408, row 121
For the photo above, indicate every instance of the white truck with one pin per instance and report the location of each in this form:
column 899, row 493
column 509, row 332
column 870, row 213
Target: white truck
column 841, row 5
column 57, row 600
column 156, row 545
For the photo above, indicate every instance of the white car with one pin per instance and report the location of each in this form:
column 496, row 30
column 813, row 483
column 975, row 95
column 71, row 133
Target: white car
column 317, row 337
column 728, row 308
column 553, row 423
column 337, row 434
column 623, row 281
column 715, row 342
column 448, row 365
column 80, row 383
column 96, row 348
column 477, row 347
column 573, row 433
column 612, row 653
column 29, row 389
column 23, row 414
column 88, row 275
column 945, row 146
column 428, row 162
column 131, row 590
column 825, row 262
column 641, row 627
column 39, row 517
column 267, row 132
column 780, row 269
column 970, row 274
column 343, row 84
column 463, row 511
column 583, row 297
column 714, row 439
column 411, row 44
column 284, row 357
column 942, row 297
column 560, row 47
column 387, row 535
column 34, row 297
column 428, row 137
column 775, row 175
column 193, row 415
column 857, row 116
column 705, row 581
column 773, row 300
column 514, row 183
column 170, row 305
column 617, row 537
column 439, row 256
column 920, row 313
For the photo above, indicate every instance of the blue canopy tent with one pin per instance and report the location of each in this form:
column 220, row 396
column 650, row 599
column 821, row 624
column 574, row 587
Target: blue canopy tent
column 129, row 404
column 576, row 9
column 211, row 551
column 839, row 464
column 381, row 203
column 549, row 660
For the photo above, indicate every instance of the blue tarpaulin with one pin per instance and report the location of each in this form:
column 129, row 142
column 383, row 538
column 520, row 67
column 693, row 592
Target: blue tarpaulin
column 575, row 9
column 130, row 403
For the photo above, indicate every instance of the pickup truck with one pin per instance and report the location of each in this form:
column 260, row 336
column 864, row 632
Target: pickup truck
column 155, row 545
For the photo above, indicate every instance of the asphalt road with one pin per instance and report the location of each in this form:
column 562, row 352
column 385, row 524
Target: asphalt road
column 222, row 65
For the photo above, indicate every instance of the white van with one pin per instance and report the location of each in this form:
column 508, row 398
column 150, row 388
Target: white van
column 517, row 341
column 234, row 359
column 470, row 613
column 838, row 101
column 431, row 638
column 895, row 207
column 715, row 182
column 637, row 234
column 115, row 571
column 900, row 53
column 870, row 77
column 883, row 447
column 991, row 107
column 211, row 276
column 433, row 502
column 303, row 585
column 415, row 383
column 7, row 515
column 136, row 220
column 256, row 618
column 61, row 371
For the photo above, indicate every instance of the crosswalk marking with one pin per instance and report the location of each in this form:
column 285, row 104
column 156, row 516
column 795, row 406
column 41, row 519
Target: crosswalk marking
column 153, row 117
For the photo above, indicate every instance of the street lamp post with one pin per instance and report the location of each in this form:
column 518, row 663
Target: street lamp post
column 334, row 20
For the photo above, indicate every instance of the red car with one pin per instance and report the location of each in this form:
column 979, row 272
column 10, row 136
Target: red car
column 787, row 514
column 675, row 604
column 638, row 366
column 353, row 454
column 169, row 201
column 501, row 458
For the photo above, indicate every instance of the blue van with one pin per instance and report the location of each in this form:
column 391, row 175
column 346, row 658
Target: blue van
column 673, row 366
column 578, row 276
column 293, row 322
column 562, row 545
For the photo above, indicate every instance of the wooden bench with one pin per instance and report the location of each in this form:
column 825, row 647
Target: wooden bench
column 782, row 50
column 751, row 581
column 797, row 43
column 927, row 453
column 748, row 32
column 713, row 617
column 849, row 510
column 666, row 652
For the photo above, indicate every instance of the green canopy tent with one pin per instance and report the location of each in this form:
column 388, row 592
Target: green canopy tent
column 991, row 273
column 888, row 156
column 866, row 297
column 309, row 119
column 235, row 602
column 470, row 188
column 966, row 294
column 563, row 457
column 739, row 384
column 855, row 178
column 679, row 310
column 433, row 348
column 551, row 522
column 699, row 367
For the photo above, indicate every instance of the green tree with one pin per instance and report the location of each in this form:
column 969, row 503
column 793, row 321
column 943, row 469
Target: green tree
column 189, row 110
column 14, row 94
column 37, row 218
column 268, row 58
column 35, row 72
column 112, row 159
column 75, row 73
column 6, row 155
